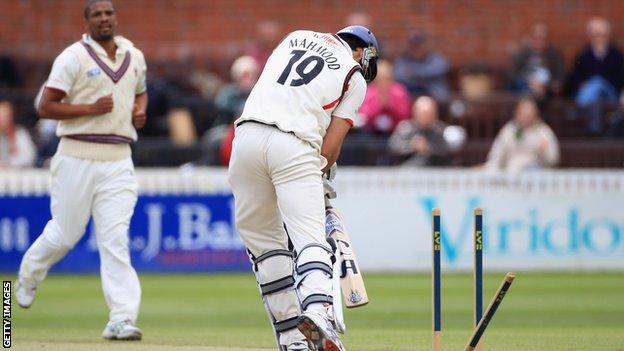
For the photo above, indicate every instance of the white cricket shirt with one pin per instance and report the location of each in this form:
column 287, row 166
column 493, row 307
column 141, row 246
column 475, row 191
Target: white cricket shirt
column 85, row 73
column 308, row 78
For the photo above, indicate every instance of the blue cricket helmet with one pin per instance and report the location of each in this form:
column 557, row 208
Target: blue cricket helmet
column 371, row 49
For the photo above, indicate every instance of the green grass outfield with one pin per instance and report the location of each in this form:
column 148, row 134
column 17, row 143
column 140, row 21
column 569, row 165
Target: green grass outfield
column 542, row 311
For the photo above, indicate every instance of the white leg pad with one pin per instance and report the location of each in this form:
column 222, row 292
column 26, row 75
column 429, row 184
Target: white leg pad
column 314, row 272
column 274, row 273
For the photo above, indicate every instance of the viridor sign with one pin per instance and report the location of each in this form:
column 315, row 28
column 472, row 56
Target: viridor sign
column 530, row 231
column 583, row 231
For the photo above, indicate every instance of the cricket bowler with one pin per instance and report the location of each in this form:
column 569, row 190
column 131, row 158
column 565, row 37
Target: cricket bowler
column 97, row 92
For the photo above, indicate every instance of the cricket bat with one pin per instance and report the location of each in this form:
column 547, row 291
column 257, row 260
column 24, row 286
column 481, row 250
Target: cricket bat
column 351, row 282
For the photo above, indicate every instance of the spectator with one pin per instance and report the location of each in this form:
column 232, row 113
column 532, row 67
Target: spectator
column 538, row 67
column 231, row 98
column 158, row 105
column 525, row 142
column 598, row 73
column 179, row 95
column 616, row 121
column 269, row 35
column 421, row 139
column 359, row 18
column 47, row 141
column 387, row 102
column 16, row 146
column 9, row 74
column 230, row 102
column 422, row 70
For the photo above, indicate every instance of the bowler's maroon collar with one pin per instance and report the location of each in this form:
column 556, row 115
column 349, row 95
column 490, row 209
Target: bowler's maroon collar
column 115, row 76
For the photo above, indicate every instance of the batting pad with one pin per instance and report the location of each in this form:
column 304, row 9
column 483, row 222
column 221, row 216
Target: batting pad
column 277, row 284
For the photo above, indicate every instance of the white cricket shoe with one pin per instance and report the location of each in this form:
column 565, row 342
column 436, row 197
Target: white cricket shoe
column 300, row 345
column 24, row 293
column 319, row 331
column 124, row 330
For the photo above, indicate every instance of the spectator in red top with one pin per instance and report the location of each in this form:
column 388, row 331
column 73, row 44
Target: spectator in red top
column 387, row 102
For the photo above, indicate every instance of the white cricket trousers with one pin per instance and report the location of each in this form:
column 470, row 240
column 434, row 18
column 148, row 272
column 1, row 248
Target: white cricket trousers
column 276, row 181
column 108, row 191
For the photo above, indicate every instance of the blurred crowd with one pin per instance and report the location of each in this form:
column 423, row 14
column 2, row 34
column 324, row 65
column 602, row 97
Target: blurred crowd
column 406, row 107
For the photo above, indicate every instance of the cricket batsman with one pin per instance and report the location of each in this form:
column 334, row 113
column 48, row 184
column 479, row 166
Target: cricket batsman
column 290, row 133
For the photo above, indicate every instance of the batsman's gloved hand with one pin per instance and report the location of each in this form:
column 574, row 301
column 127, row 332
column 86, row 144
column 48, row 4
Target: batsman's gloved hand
column 328, row 189
column 330, row 174
column 328, row 177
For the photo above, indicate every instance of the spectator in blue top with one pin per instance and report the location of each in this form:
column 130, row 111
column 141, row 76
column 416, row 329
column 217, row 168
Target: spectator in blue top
column 422, row 70
column 598, row 73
